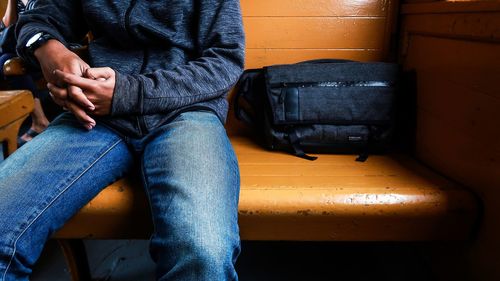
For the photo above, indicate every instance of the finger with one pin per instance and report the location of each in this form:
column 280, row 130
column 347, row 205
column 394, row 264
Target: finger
column 76, row 94
column 75, row 80
column 73, row 93
column 81, row 115
column 99, row 73
column 59, row 102
column 57, row 92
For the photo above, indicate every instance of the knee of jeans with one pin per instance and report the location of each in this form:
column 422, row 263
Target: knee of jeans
column 214, row 254
column 198, row 250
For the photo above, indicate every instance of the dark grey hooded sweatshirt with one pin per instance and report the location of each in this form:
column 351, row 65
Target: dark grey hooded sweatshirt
column 169, row 56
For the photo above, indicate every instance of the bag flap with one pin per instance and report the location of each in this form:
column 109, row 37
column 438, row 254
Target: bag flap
column 331, row 93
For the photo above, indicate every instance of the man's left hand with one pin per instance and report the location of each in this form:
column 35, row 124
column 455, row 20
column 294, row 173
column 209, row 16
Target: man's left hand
column 98, row 85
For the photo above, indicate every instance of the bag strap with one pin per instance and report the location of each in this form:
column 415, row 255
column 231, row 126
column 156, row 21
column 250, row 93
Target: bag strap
column 363, row 156
column 242, row 89
column 294, row 140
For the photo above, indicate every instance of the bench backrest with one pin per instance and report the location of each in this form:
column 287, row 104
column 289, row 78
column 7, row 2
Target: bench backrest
column 287, row 31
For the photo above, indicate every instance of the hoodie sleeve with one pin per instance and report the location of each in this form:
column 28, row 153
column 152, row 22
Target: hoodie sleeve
column 62, row 19
column 221, row 61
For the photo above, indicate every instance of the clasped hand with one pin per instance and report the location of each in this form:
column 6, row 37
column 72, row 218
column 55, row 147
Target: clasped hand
column 74, row 85
column 85, row 96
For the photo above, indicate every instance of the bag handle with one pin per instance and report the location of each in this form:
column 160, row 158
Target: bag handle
column 319, row 61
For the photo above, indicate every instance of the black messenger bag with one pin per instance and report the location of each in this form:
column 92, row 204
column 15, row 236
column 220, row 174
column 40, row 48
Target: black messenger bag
column 321, row 106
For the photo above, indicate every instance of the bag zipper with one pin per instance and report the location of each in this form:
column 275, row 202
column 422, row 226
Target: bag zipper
column 328, row 84
column 336, row 84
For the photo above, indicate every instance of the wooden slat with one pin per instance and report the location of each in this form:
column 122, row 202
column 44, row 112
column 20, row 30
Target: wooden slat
column 256, row 58
column 478, row 26
column 315, row 8
column 451, row 7
column 299, row 170
column 314, row 33
column 373, row 184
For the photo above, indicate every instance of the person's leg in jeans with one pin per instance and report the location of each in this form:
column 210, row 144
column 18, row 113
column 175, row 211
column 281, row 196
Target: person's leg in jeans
column 47, row 181
column 191, row 176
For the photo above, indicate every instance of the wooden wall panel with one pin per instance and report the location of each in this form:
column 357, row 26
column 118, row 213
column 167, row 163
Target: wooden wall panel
column 471, row 112
column 314, row 32
column 289, row 31
column 454, row 48
column 464, row 25
column 459, row 155
column 316, row 8
column 451, row 93
column 451, row 7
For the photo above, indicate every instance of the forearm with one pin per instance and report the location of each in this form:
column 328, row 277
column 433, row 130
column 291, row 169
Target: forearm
column 61, row 19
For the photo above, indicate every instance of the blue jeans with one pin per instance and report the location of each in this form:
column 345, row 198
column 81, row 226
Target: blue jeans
column 190, row 174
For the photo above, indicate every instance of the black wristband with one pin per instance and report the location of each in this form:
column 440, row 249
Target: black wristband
column 38, row 42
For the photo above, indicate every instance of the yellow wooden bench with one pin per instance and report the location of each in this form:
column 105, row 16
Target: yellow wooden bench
column 386, row 198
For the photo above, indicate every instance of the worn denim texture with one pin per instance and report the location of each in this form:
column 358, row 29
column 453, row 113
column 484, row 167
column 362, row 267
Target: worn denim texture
column 190, row 174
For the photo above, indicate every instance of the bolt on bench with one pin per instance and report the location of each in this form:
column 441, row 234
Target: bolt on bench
column 386, row 198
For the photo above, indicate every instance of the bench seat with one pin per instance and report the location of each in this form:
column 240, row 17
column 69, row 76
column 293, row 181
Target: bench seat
column 386, row 198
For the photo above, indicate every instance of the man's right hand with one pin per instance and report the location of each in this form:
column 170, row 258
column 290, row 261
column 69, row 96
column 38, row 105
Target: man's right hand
column 54, row 55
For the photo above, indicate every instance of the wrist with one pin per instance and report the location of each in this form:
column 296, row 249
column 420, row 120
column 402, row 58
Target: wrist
column 51, row 47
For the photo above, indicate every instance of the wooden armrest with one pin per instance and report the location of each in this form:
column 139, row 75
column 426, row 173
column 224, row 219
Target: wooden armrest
column 14, row 66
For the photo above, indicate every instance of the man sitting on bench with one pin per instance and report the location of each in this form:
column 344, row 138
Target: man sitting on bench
column 151, row 103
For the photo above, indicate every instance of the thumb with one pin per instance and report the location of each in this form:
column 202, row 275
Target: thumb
column 99, row 73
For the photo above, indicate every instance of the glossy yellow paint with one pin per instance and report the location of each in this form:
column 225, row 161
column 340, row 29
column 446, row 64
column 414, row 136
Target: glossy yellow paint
column 15, row 106
column 289, row 31
column 314, row 8
column 322, row 33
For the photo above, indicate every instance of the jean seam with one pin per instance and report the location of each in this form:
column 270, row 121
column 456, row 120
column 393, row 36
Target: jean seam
column 146, row 189
column 52, row 201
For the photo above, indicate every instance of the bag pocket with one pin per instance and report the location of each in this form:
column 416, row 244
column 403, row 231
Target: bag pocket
column 341, row 103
